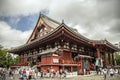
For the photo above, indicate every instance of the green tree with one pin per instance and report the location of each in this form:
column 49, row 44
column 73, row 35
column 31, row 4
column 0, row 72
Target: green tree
column 16, row 60
column 117, row 58
column 3, row 53
column 9, row 59
column 6, row 58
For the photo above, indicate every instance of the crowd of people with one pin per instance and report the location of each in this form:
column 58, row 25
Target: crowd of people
column 31, row 73
column 34, row 73
column 4, row 72
column 108, row 72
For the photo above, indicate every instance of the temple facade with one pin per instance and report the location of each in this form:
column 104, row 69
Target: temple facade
column 55, row 45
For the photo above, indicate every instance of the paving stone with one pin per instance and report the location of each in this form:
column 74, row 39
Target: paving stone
column 79, row 77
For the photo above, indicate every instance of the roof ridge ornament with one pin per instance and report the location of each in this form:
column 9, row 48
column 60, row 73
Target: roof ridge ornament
column 40, row 14
column 63, row 23
column 62, row 20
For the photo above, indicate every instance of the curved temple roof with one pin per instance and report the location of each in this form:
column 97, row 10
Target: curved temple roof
column 105, row 43
column 55, row 26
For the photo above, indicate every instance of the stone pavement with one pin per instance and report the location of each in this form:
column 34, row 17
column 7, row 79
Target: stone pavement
column 79, row 77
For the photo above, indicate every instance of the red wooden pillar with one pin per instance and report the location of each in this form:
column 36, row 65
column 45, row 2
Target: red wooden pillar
column 105, row 59
column 98, row 53
column 113, row 61
column 108, row 58
column 51, row 59
column 25, row 58
column 71, row 53
column 71, row 69
column 22, row 59
column 63, row 68
column 81, row 68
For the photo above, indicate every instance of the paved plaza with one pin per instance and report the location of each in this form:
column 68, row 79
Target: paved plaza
column 79, row 77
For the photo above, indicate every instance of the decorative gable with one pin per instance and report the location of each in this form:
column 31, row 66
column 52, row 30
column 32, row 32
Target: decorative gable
column 42, row 27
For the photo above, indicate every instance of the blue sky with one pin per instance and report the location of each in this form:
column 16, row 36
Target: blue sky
column 22, row 23
column 94, row 19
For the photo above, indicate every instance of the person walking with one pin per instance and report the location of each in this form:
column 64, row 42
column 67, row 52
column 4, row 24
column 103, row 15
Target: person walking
column 27, row 74
column 30, row 75
column 60, row 72
column 24, row 74
column 12, row 74
column 111, row 71
column 42, row 74
column 4, row 72
column 105, row 73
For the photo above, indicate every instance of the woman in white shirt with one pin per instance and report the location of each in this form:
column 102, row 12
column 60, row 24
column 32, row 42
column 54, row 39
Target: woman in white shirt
column 111, row 71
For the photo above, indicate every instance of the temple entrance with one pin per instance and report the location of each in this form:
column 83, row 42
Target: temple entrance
column 60, row 67
column 68, row 68
column 75, row 68
column 85, row 66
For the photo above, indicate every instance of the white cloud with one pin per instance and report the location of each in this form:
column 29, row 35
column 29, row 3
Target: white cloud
column 11, row 37
column 94, row 19
column 22, row 7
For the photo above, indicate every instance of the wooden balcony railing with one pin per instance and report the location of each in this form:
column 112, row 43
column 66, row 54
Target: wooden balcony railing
column 64, row 62
column 20, row 64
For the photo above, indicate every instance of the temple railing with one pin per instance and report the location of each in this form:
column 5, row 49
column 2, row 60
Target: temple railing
column 71, row 62
column 65, row 62
column 19, row 64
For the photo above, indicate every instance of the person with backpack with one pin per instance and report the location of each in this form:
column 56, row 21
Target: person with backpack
column 24, row 74
column 30, row 75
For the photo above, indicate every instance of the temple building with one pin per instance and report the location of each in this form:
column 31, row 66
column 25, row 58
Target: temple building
column 55, row 45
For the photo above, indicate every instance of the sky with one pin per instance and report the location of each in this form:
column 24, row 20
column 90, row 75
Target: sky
column 94, row 19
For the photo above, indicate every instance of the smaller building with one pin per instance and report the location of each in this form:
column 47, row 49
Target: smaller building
column 54, row 45
column 117, row 45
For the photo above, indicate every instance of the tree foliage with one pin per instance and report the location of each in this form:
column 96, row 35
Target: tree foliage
column 16, row 60
column 6, row 59
column 117, row 58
